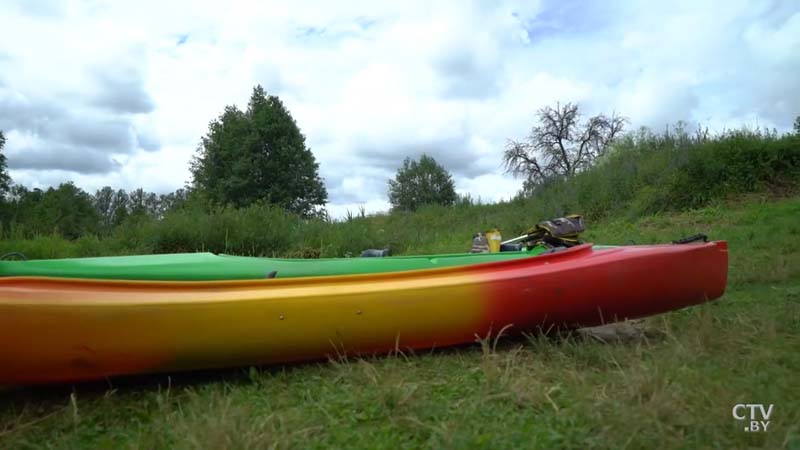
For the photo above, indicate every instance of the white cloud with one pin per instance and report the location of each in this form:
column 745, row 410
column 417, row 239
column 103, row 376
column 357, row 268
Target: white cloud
column 120, row 93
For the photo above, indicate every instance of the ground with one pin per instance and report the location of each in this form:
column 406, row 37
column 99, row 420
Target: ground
column 673, row 385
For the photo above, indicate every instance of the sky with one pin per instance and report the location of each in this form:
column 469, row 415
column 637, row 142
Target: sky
column 119, row 93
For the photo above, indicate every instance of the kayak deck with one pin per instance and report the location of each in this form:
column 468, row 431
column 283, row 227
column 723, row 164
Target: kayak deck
column 59, row 329
column 208, row 266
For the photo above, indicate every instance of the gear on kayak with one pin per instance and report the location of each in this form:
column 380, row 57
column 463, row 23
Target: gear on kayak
column 558, row 232
column 480, row 244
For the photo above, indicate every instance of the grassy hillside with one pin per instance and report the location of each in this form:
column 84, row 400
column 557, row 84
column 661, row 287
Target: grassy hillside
column 645, row 174
column 672, row 387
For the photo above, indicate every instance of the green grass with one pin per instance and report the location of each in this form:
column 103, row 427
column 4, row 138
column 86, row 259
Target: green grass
column 644, row 174
column 672, row 388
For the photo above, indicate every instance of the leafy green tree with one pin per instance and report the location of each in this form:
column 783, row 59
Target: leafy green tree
column 66, row 210
column 173, row 200
column 152, row 205
column 18, row 206
column 73, row 213
column 796, row 125
column 5, row 179
column 104, row 204
column 258, row 155
column 120, row 207
column 137, row 203
column 421, row 183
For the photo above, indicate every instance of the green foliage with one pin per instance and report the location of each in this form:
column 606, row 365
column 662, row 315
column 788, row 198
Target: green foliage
column 258, row 155
column 671, row 389
column 643, row 174
column 104, row 204
column 113, row 207
column 172, row 201
column 670, row 386
column 256, row 230
column 421, row 183
column 647, row 173
column 5, row 179
column 66, row 210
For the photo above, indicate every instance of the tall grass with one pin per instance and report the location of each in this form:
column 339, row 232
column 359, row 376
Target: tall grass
column 644, row 174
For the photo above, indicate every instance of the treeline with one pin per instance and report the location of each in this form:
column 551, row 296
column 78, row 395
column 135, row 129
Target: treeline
column 70, row 212
column 643, row 173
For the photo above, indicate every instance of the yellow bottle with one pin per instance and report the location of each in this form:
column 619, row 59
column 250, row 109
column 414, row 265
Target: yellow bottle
column 494, row 238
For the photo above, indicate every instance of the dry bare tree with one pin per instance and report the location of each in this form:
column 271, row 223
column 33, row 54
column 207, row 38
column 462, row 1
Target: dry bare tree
column 561, row 145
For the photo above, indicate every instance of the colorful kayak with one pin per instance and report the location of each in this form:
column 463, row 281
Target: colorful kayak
column 62, row 329
column 208, row 266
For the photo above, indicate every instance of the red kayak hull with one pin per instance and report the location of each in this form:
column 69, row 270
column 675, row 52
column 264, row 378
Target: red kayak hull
column 582, row 287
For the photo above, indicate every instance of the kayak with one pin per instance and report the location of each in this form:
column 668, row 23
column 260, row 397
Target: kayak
column 71, row 329
column 208, row 266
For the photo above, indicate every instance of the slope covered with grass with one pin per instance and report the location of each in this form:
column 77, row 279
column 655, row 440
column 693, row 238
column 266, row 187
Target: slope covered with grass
column 672, row 387
column 644, row 174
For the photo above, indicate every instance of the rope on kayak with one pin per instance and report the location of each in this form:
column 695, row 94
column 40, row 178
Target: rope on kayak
column 17, row 254
column 692, row 238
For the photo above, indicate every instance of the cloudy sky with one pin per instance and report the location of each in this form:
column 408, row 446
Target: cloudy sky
column 119, row 93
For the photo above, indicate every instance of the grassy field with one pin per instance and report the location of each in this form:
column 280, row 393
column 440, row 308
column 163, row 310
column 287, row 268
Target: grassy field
column 672, row 387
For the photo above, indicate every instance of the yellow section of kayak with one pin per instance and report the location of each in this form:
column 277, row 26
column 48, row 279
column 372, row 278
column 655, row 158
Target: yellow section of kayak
column 62, row 329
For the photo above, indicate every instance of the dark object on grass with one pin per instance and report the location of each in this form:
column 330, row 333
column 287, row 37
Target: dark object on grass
column 627, row 331
column 692, row 238
column 512, row 247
